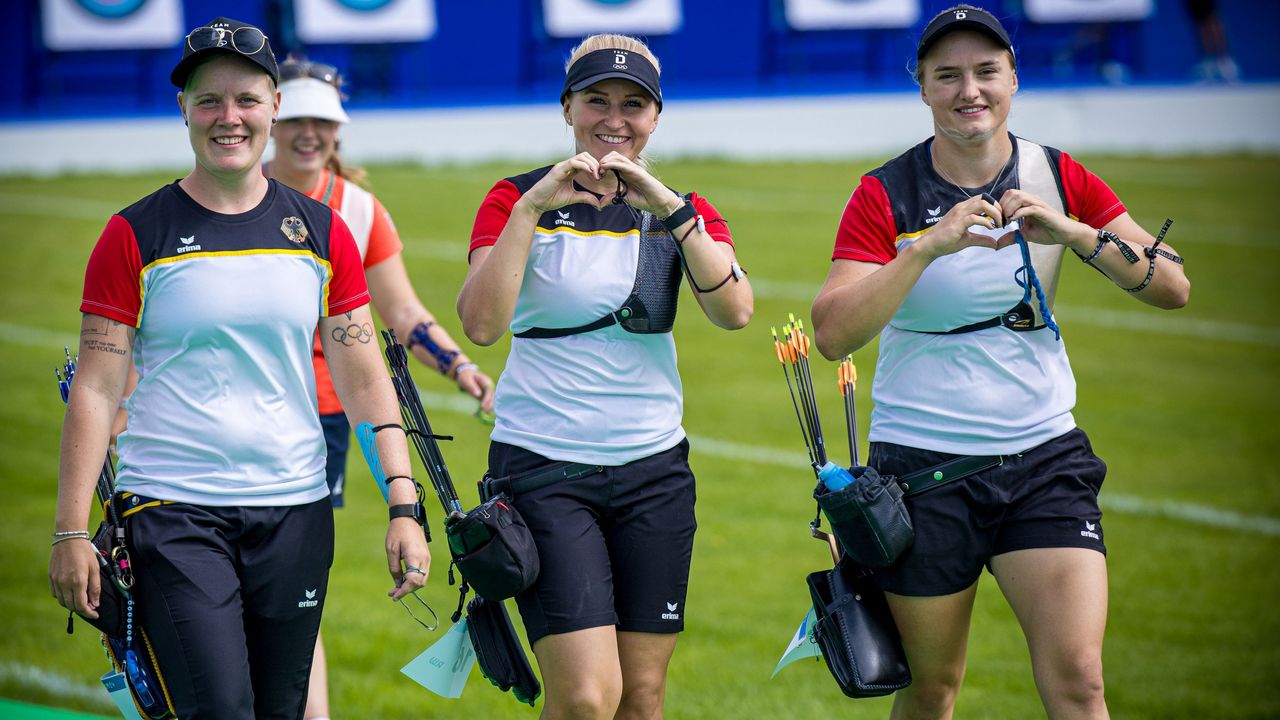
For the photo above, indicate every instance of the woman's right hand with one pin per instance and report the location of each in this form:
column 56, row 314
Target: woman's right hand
column 951, row 234
column 555, row 189
column 74, row 579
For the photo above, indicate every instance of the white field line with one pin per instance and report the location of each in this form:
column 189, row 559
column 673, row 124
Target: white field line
column 1189, row 512
column 1172, row 324
column 54, row 684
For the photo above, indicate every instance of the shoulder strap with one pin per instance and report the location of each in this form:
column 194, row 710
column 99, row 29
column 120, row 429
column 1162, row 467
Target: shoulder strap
column 651, row 306
column 1036, row 176
column 357, row 212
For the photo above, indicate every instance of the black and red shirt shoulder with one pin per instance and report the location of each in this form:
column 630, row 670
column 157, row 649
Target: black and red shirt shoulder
column 169, row 223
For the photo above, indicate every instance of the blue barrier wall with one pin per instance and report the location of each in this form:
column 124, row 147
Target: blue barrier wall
column 488, row 52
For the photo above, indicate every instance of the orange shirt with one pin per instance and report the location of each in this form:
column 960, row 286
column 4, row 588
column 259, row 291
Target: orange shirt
column 377, row 239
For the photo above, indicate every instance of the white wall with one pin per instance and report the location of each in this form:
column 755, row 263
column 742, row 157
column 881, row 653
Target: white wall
column 1196, row 119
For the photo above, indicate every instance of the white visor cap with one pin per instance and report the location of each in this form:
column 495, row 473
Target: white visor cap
column 310, row 98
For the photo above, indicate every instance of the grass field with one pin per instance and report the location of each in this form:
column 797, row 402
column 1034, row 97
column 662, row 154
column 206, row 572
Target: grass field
column 1179, row 405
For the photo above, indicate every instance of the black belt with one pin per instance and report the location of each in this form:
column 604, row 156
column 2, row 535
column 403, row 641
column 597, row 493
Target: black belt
column 945, row 472
column 511, row 485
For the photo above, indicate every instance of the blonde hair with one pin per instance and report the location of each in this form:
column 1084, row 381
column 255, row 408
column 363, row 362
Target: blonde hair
column 611, row 41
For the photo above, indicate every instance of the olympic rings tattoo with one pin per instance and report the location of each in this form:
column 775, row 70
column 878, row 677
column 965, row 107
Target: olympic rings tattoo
column 352, row 334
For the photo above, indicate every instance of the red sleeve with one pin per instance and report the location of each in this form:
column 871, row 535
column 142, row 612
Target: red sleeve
column 1089, row 199
column 384, row 240
column 347, row 287
column 715, row 223
column 493, row 214
column 113, row 279
column 867, row 231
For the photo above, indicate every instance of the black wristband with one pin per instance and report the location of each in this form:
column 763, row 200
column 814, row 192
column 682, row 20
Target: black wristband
column 682, row 215
column 409, row 510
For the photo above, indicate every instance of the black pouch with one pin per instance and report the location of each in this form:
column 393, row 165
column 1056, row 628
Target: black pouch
column 494, row 549
column 111, row 600
column 498, row 651
column 856, row 632
column 868, row 517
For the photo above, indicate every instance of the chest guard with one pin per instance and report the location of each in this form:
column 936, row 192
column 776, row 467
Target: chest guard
column 651, row 306
column 1035, row 175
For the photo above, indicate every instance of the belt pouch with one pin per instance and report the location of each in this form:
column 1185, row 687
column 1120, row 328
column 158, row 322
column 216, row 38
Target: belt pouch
column 868, row 517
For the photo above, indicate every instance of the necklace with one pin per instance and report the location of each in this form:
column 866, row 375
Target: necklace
column 1028, row 270
column 990, row 189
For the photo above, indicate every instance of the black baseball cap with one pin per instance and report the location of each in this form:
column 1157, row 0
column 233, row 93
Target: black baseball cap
column 962, row 17
column 612, row 63
column 224, row 35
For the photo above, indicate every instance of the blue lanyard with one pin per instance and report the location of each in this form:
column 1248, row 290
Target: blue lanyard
column 1029, row 271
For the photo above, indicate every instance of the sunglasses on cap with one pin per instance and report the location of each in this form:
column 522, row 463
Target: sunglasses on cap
column 314, row 70
column 245, row 40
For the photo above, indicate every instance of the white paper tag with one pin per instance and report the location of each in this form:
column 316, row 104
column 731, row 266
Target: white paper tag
column 118, row 688
column 444, row 667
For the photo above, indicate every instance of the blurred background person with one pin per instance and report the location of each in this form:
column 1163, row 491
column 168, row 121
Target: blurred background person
column 971, row 370
column 307, row 160
column 1216, row 62
column 581, row 261
column 221, row 467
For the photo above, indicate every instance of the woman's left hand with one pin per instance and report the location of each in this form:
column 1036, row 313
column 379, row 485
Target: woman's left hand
column 408, row 558
column 1040, row 223
column 478, row 385
column 644, row 191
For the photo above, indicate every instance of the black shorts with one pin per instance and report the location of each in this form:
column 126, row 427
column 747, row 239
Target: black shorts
column 615, row 547
column 337, row 439
column 231, row 599
column 1046, row 497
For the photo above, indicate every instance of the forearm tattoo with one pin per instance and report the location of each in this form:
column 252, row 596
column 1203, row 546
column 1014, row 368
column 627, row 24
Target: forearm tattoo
column 354, row 333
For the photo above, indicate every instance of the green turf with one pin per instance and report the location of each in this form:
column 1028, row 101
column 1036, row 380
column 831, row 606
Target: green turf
column 1177, row 403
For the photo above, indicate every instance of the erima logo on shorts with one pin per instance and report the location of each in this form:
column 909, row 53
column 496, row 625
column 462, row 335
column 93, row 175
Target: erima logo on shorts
column 671, row 613
column 1088, row 530
column 310, row 601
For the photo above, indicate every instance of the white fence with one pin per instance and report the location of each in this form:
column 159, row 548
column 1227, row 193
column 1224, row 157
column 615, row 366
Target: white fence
column 1159, row 121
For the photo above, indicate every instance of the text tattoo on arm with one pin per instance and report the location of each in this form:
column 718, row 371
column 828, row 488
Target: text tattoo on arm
column 98, row 334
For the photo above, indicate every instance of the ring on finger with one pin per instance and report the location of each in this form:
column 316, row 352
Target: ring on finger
column 411, row 569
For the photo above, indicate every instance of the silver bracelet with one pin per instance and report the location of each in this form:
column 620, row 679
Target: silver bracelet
column 464, row 366
column 65, row 535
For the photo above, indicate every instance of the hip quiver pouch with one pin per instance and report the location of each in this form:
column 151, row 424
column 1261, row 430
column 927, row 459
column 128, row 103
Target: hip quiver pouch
column 868, row 517
column 498, row 651
column 494, row 549
column 856, row 632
